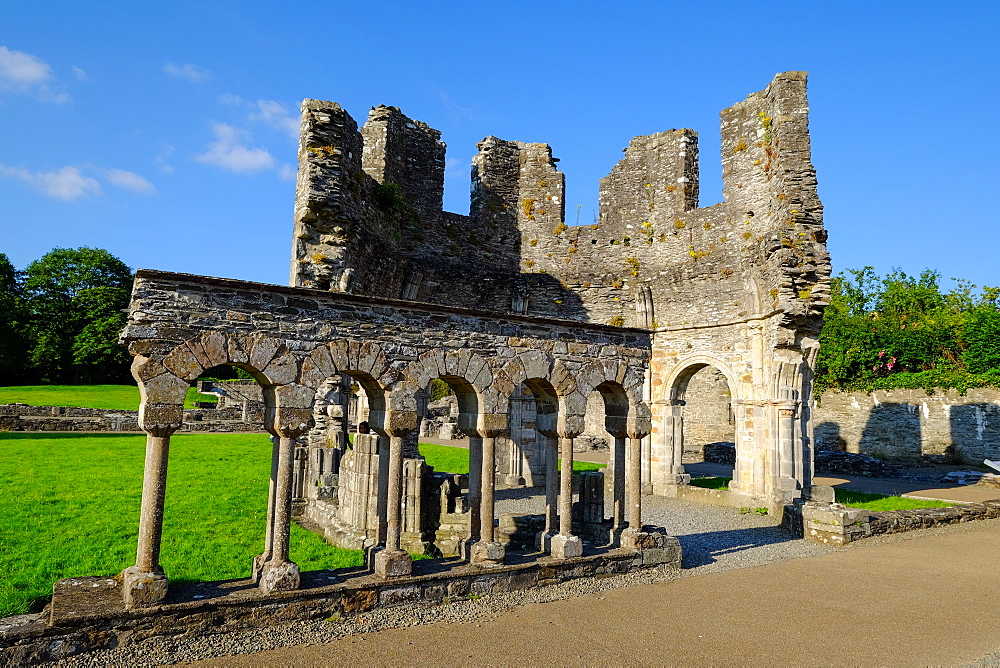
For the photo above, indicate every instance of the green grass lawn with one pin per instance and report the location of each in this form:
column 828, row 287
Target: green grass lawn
column 874, row 502
column 882, row 502
column 70, row 507
column 711, row 482
column 449, row 459
column 111, row 397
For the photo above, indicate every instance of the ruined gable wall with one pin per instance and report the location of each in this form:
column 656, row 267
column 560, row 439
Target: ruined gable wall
column 760, row 250
column 353, row 232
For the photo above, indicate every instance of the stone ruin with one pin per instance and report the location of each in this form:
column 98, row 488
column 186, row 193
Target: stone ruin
column 533, row 324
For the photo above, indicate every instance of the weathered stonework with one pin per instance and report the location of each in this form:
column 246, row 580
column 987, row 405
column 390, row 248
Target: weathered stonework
column 510, row 307
column 911, row 424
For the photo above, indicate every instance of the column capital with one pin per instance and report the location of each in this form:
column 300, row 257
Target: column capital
column 160, row 419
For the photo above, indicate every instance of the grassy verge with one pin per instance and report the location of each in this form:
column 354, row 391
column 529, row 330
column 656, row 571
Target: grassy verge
column 456, row 460
column 711, row 482
column 70, row 507
column 883, row 503
column 107, row 397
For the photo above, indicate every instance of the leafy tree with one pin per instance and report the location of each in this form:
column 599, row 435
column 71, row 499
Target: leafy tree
column 904, row 331
column 12, row 342
column 76, row 299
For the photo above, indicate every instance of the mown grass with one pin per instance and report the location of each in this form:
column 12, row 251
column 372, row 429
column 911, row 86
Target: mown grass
column 874, row 502
column 882, row 502
column 70, row 507
column 450, row 459
column 108, row 397
column 711, row 482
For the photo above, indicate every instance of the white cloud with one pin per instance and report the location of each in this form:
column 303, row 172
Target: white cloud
column 270, row 112
column 129, row 181
column 286, row 172
column 24, row 73
column 228, row 151
column 187, row 71
column 162, row 159
column 80, row 73
column 67, row 184
column 276, row 115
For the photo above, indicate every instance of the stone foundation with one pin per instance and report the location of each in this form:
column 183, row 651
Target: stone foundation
column 836, row 524
column 87, row 614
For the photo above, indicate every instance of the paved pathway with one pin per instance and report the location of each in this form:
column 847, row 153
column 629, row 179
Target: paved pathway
column 923, row 598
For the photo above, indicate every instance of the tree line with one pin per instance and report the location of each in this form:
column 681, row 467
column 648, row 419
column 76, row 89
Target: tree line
column 60, row 318
column 902, row 331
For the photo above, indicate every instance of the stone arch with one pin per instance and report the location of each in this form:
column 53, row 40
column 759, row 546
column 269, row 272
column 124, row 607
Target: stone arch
column 676, row 416
column 685, row 368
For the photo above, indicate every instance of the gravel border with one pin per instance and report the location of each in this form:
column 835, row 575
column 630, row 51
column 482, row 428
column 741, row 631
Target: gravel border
column 713, row 539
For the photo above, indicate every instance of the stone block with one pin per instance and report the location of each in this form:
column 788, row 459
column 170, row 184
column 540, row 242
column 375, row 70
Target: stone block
column 278, row 576
column 566, row 547
column 393, row 564
column 359, row 600
column 458, row 588
column 164, row 389
column 398, row 595
column 181, row 362
column 487, row 554
column 142, row 589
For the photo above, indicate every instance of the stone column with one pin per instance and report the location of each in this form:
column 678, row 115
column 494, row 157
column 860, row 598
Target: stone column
column 146, row 583
column 475, row 486
column 487, row 551
column 393, row 561
column 565, row 544
column 634, row 483
column 618, row 484
column 381, row 489
column 278, row 572
column 261, row 559
column 551, row 455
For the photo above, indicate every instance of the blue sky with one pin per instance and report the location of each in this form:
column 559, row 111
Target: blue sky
column 166, row 131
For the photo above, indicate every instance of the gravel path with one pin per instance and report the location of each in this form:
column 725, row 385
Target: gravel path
column 713, row 539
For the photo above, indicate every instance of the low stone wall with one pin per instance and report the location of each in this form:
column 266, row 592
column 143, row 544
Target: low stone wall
column 911, row 424
column 24, row 417
column 837, row 524
column 87, row 614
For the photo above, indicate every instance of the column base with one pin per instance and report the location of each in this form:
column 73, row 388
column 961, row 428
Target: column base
column 564, row 547
column 257, row 567
column 487, row 554
column 654, row 545
column 393, row 564
column 141, row 588
column 278, row 576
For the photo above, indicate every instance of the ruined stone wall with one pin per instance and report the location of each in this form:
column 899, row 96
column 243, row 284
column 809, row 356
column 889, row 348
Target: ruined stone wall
column 760, row 250
column 708, row 410
column 911, row 424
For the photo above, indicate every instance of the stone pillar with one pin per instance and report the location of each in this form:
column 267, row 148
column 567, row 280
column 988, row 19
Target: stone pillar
column 551, row 458
column 633, row 484
column 565, row 544
column 260, row 559
column 382, row 487
column 393, row 561
column 618, row 484
column 487, row 551
column 475, row 486
column 146, row 583
column 278, row 572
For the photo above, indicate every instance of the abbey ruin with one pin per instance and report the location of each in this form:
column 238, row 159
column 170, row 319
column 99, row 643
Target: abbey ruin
column 542, row 331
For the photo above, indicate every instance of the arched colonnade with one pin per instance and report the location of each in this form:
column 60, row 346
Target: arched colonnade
column 291, row 371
